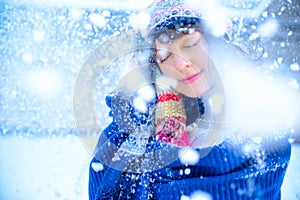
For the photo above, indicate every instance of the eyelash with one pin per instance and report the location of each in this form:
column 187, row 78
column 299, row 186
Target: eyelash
column 192, row 45
column 164, row 59
column 188, row 46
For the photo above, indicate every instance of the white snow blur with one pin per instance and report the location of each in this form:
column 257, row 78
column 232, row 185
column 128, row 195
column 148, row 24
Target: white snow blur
column 268, row 28
column 139, row 20
column 96, row 166
column 139, row 104
column 256, row 100
column 165, row 82
column 197, row 195
column 146, row 92
column 293, row 84
column 45, row 83
column 163, row 53
column 214, row 13
column 188, row 156
column 38, row 35
column 294, row 67
column 97, row 19
column 235, row 8
column 144, row 95
column 113, row 4
column 44, row 168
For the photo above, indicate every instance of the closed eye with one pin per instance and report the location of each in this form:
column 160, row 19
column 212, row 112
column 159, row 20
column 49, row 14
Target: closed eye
column 192, row 45
column 164, row 59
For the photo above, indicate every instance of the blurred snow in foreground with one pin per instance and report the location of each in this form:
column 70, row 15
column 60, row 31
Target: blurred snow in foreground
column 57, row 168
column 43, row 168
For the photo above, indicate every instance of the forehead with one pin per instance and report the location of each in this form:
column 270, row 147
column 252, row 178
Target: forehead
column 169, row 35
column 168, row 41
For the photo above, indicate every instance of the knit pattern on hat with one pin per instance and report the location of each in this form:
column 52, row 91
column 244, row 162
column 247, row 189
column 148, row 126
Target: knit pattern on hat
column 172, row 14
column 163, row 10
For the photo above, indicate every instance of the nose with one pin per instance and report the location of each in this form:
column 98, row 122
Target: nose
column 181, row 63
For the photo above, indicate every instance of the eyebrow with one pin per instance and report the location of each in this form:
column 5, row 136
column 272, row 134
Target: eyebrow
column 159, row 56
column 158, row 49
column 188, row 37
column 161, row 48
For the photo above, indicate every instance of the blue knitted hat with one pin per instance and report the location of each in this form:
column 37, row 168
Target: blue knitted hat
column 174, row 14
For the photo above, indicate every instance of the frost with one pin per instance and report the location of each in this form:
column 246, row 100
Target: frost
column 294, row 67
column 282, row 44
column 279, row 60
column 290, row 33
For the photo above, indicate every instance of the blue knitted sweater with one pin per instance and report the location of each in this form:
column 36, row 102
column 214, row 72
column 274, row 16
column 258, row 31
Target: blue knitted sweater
column 226, row 172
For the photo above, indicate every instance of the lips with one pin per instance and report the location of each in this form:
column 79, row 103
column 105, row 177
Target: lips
column 191, row 78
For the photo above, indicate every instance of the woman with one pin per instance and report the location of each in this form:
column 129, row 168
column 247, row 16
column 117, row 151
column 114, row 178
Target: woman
column 147, row 155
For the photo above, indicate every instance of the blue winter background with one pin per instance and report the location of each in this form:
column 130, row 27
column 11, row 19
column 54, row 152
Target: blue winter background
column 43, row 45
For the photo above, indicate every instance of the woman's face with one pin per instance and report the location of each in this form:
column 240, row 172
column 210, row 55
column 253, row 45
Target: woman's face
column 185, row 59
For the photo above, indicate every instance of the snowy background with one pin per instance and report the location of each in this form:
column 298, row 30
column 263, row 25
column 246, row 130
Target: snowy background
column 43, row 45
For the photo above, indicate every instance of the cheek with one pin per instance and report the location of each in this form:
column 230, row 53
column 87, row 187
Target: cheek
column 200, row 60
column 168, row 71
